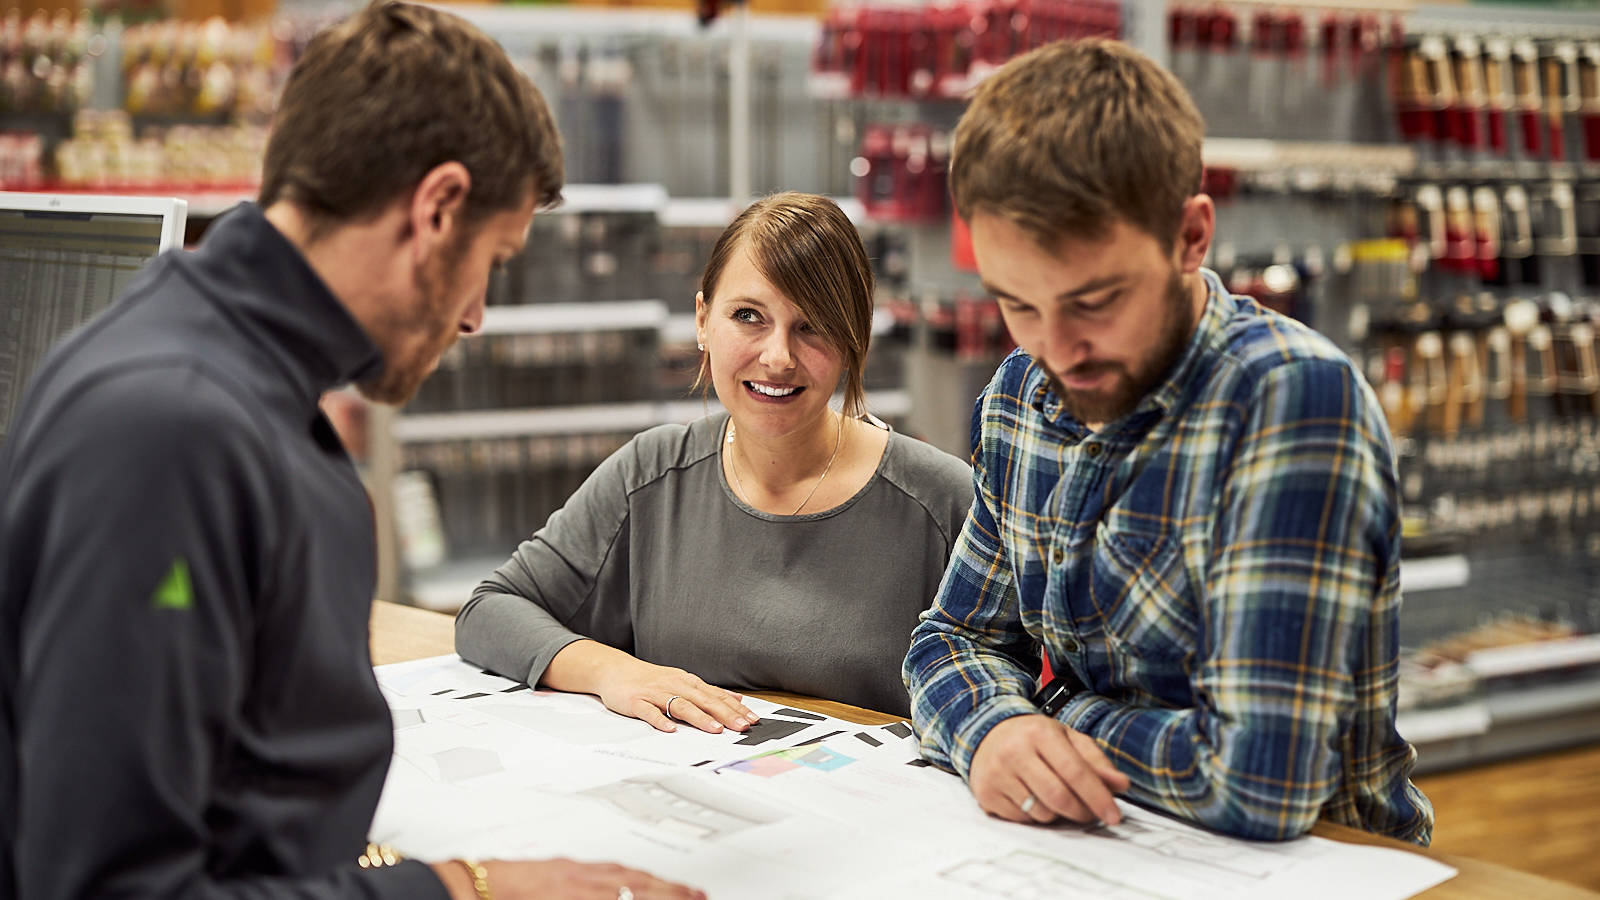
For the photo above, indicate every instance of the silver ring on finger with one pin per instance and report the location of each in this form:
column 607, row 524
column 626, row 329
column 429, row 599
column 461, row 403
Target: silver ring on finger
column 668, row 710
column 625, row 892
column 1027, row 804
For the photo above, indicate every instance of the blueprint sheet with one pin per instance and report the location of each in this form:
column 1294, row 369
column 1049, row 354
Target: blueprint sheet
column 805, row 806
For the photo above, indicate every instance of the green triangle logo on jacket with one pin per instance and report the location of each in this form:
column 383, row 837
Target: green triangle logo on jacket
column 174, row 591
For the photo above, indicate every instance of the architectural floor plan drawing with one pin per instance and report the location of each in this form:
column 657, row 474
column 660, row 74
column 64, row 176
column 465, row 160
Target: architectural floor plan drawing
column 806, row 807
column 1024, row 875
column 685, row 804
column 1188, row 846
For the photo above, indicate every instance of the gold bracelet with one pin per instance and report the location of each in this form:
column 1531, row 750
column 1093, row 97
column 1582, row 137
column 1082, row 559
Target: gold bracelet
column 479, row 876
column 378, row 856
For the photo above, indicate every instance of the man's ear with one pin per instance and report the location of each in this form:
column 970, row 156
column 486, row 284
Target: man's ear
column 437, row 206
column 1199, row 226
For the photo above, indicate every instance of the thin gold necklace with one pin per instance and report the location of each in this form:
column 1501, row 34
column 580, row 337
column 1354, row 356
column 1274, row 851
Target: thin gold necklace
column 733, row 466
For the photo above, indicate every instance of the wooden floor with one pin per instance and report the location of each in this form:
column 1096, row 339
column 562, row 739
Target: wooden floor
column 1540, row 814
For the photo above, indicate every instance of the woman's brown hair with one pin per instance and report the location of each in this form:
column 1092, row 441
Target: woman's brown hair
column 810, row 251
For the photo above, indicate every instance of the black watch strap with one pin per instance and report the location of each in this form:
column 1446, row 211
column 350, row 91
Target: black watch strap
column 1055, row 693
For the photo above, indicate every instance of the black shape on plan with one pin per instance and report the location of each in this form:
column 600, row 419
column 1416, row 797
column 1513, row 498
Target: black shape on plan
column 898, row 729
column 919, row 763
column 703, row 762
column 818, row 740
column 770, row 730
column 443, row 692
column 801, row 714
column 514, row 688
column 471, row 696
column 868, row 739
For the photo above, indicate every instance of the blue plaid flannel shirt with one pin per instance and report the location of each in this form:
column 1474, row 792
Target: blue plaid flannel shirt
column 1220, row 569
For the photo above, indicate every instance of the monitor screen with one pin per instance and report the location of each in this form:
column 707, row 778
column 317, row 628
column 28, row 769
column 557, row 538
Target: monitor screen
column 63, row 259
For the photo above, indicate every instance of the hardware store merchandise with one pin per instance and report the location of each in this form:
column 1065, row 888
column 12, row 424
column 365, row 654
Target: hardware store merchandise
column 1418, row 182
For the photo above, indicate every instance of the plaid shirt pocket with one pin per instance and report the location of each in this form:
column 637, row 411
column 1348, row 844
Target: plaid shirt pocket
column 1140, row 588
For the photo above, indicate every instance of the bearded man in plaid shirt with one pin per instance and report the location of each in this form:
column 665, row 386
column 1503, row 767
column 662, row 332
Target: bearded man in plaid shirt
column 1187, row 501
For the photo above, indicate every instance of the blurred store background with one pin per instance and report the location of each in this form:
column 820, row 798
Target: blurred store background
column 1419, row 182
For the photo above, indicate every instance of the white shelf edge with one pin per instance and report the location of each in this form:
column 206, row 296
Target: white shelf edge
column 644, row 197
column 494, row 423
column 679, row 327
column 1425, row 726
column 511, row 24
column 1257, row 154
column 697, row 212
column 589, row 419
column 1434, row 573
column 717, row 212
column 565, row 318
column 1531, row 659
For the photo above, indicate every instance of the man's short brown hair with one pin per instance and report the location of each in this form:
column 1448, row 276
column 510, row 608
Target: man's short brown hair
column 808, row 249
column 380, row 99
column 1077, row 135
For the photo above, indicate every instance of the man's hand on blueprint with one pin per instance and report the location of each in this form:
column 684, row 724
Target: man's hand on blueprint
column 1035, row 769
column 560, row 879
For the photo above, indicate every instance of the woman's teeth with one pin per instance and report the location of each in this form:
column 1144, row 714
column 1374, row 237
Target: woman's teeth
column 771, row 391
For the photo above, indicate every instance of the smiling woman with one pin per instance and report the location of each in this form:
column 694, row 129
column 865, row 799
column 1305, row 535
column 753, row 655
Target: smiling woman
column 802, row 251
column 781, row 545
column 784, row 316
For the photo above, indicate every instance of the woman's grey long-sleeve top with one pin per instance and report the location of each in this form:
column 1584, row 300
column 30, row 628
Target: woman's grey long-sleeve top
column 655, row 555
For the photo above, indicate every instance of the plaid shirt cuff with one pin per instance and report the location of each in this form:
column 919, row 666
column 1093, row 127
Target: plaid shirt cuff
column 1084, row 711
column 977, row 726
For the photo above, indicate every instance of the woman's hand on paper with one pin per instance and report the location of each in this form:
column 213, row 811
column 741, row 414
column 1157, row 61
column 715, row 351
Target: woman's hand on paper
column 660, row 695
column 664, row 696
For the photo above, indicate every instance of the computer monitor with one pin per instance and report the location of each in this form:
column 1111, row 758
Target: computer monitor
column 63, row 259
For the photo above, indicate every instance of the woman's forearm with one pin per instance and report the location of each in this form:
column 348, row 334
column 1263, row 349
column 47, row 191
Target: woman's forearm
column 580, row 666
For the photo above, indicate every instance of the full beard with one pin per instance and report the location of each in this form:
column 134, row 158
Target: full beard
column 1128, row 387
column 412, row 340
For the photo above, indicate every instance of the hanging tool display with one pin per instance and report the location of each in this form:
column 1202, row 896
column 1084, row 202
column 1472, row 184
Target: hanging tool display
column 901, row 173
column 942, row 51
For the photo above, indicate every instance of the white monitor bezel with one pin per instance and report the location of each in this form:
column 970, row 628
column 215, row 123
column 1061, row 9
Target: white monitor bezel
column 173, row 211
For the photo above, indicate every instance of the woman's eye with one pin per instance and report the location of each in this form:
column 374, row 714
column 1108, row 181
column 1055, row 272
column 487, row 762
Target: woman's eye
column 746, row 315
